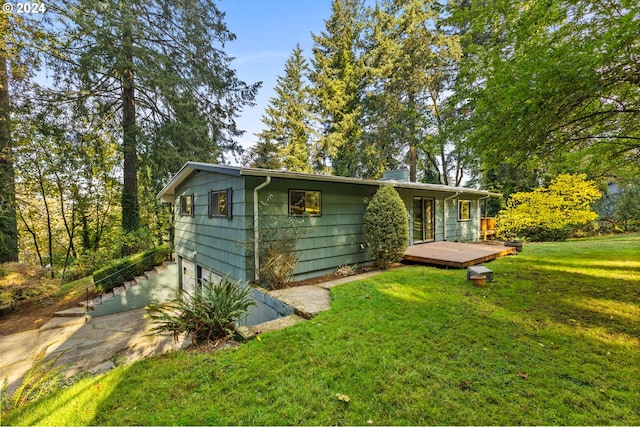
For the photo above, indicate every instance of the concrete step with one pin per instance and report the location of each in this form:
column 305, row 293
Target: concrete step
column 129, row 283
column 150, row 274
column 71, row 312
column 63, row 322
column 140, row 279
column 119, row 289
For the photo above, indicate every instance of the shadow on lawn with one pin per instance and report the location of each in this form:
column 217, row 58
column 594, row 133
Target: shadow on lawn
column 596, row 297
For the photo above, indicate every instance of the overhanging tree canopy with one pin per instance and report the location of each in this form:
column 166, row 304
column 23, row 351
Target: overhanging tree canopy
column 550, row 77
column 156, row 74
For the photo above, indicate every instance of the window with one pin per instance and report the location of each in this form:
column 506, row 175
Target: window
column 464, row 210
column 186, row 205
column 220, row 203
column 304, row 203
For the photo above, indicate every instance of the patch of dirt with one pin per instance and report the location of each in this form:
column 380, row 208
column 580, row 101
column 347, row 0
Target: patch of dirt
column 332, row 276
column 33, row 314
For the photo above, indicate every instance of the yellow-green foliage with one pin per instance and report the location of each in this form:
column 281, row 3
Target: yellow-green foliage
column 546, row 213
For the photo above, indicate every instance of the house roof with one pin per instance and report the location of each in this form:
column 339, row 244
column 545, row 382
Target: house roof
column 168, row 192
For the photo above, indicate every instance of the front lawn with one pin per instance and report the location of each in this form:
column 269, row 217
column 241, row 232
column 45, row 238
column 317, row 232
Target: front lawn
column 555, row 339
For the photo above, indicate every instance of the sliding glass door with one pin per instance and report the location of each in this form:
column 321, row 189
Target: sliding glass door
column 423, row 220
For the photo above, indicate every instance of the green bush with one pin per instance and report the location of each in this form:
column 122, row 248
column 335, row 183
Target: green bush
column 127, row 268
column 208, row 315
column 23, row 282
column 386, row 227
column 85, row 265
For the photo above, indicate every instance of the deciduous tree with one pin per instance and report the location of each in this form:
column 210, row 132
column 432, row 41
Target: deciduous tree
column 548, row 213
column 543, row 78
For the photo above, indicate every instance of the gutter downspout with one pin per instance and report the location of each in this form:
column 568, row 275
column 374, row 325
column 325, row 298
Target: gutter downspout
column 256, row 229
column 444, row 220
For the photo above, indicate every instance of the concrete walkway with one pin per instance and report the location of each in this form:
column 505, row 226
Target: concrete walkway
column 101, row 343
column 94, row 346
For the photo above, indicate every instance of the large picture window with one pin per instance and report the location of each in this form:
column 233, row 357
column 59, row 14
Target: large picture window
column 186, row 205
column 464, row 210
column 305, row 203
column 220, row 203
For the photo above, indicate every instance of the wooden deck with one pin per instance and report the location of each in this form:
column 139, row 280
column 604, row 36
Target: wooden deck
column 457, row 255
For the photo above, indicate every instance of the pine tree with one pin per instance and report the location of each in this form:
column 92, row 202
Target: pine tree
column 285, row 142
column 412, row 60
column 19, row 34
column 8, row 224
column 339, row 82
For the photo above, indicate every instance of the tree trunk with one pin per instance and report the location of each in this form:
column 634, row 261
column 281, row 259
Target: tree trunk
column 413, row 164
column 34, row 236
column 130, row 212
column 8, row 221
column 41, row 181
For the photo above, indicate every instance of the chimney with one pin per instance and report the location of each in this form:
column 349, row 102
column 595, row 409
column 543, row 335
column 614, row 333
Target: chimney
column 401, row 175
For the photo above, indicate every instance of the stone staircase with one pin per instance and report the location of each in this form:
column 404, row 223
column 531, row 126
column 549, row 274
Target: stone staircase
column 81, row 314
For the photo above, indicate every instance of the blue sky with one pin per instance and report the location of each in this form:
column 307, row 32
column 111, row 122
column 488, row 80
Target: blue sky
column 267, row 31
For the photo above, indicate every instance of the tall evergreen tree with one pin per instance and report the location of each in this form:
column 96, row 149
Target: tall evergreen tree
column 19, row 34
column 339, row 83
column 8, row 225
column 412, row 61
column 155, row 72
column 285, row 142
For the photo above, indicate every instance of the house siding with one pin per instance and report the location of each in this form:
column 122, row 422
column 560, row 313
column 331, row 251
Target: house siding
column 335, row 238
column 328, row 241
column 218, row 241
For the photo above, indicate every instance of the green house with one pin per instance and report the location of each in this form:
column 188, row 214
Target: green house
column 219, row 209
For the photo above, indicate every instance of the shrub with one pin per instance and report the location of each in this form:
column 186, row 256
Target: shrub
column 278, row 258
column 127, row 268
column 549, row 214
column 208, row 315
column 85, row 265
column 627, row 206
column 278, row 238
column 386, row 227
column 22, row 282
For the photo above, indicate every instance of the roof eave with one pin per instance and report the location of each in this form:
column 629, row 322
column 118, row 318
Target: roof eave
column 167, row 194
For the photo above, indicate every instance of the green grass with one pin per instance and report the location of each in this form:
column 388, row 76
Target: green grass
column 555, row 339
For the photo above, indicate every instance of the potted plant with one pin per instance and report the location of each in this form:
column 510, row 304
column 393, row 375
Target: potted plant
column 479, row 280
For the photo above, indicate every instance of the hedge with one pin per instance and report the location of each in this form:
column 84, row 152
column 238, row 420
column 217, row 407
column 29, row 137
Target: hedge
column 115, row 274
